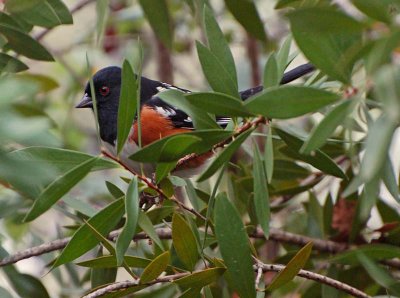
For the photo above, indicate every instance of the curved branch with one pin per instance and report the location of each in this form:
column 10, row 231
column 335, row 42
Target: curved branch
column 165, row 233
column 264, row 267
column 316, row 277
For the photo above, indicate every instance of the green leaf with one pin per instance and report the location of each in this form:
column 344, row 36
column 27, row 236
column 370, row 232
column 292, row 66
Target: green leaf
column 218, row 45
column 323, row 20
column 245, row 12
column 184, row 242
column 224, row 156
column 23, row 44
column 60, row 186
column 110, row 261
column 27, row 285
column 389, row 179
column 200, row 119
column 178, row 146
column 327, row 126
column 261, row 195
column 337, row 35
column 11, row 64
column 46, row 83
column 62, row 159
column 282, row 57
column 163, row 169
column 201, row 278
column 375, row 252
column 102, row 10
column 218, row 104
column 292, row 268
column 157, row 14
column 381, row 276
column 132, row 215
column 377, row 145
column 147, row 226
column 127, row 104
column 217, row 76
column 152, row 152
column 271, row 76
column 319, row 160
column 47, row 13
column 289, row 170
column 83, row 240
column 114, row 190
column 269, row 156
column 102, row 276
column 235, row 247
column 155, row 268
column 289, row 101
column 379, row 10
column 15, row 6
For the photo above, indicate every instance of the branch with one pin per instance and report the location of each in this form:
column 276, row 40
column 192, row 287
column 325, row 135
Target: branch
column 185, row 160
column 165, row 233
column 264, row 267
column 316, row 277
column 153, row 186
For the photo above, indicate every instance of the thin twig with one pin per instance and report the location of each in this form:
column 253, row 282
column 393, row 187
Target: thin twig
column 154, row 186
column 184, row 160
column 166, row 233
column 316, row 277
column 264, row 268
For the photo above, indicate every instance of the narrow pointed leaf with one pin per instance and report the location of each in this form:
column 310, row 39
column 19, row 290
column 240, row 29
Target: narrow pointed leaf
column 200, row 119
column 327, row 126
column 224, row 156
column 380, row 275
column 184, row 242
column 48, row 13
column 210, row 137
column 217, row 76
column 261, row 194
column 83, row 240
column 157, row 14
column 155, row 268
column 235, row 247
column 147, row 226
column 289, row 101
column 319, row 160
column 218, row 104
column 23, row 44
column 292, row 268
column 245, row 12
column 11, row 64
column 201, row 278
column 132, row 215
column 127, row 104
column 269, row 155
column 218, row 45
column 54, row 191
column 376, row 149
column 271, row 77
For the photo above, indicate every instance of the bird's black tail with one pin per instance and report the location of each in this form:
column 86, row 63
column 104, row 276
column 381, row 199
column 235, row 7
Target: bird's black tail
column 288, row 77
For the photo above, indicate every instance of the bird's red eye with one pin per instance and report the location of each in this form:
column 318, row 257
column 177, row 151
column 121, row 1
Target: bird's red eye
column 104, row 90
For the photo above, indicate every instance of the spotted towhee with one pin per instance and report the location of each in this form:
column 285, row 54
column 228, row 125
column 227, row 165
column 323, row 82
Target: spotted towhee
column 158, row 119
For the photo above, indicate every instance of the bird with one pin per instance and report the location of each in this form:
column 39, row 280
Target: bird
column 157, row 118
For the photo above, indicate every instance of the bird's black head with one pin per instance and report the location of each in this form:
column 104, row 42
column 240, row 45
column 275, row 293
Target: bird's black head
column 107, row 87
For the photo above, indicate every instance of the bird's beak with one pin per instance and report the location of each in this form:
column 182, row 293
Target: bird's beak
column 86, row 102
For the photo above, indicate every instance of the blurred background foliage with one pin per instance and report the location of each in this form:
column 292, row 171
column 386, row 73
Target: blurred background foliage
column 332, row 175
